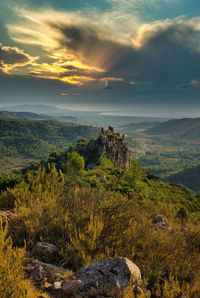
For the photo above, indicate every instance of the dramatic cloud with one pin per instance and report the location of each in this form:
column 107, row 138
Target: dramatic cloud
column 164, row 54
column 11, row 57
column 161, row 55
column 89, row 46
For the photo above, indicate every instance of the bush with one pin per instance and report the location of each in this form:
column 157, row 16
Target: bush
column 12, row 282
column 75, row 163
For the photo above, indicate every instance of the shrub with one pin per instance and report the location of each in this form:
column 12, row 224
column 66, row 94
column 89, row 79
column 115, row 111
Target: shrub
column 12, row 282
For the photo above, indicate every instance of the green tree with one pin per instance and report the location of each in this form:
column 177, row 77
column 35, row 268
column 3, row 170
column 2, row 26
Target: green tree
column 134, row 173
column 105, row 163
column 75, row 163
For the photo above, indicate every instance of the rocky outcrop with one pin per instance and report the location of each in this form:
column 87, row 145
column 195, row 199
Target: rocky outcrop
column 112, row 144
column 111, row 277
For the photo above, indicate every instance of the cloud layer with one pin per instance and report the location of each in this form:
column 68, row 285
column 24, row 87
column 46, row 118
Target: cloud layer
column 108, row 57
column 163, row 52
column 12, row 57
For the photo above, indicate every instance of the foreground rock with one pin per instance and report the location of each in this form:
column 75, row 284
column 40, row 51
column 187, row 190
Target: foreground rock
column 46, row 252
column 43, row 275
column 111, row 277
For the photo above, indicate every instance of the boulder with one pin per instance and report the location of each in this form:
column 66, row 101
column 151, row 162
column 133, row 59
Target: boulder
column 160, row 222
column 111, row 277
column 46, row 252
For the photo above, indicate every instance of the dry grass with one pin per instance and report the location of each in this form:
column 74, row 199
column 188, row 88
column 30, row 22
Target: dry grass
column 33, row 292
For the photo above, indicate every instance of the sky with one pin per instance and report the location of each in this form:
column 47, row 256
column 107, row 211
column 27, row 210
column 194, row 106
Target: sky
column 138, row 57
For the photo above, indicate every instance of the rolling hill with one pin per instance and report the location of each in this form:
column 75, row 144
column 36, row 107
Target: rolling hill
column 190, row 177
column 186, row 128
column 140, row 125
column 24, row 115
column 22, row 140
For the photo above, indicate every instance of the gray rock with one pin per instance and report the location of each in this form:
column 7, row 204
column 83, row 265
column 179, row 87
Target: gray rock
column 42, row 273
column 72, row 287
column 46, row 252
column 110, row 277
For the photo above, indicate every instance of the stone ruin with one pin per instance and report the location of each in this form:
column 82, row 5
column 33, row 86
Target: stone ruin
column 110, row 143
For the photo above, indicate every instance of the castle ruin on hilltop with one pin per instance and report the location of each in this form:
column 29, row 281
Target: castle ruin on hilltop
column 110, row 143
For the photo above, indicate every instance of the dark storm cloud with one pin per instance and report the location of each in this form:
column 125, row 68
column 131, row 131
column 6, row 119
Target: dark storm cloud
column 168, row 56
column 90, row 45
column 12, row 55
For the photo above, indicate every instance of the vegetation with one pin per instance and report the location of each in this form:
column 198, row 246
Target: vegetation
column 12, row 282
column 101, row 212
column 188, row 177
column 106, row 212
column 186, row 128
column 166, row 154
column 23, row 142
column 35, row 139
column 23, row 115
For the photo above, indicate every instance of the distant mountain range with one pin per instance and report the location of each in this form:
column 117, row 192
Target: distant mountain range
column 24, row 115
column 94, row 118
column 32, row 108
column 186, row 128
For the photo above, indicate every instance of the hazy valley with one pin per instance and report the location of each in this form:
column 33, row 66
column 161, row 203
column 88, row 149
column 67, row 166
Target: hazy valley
column 167, row 149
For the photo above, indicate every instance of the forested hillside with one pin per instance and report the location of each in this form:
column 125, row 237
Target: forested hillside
column 186, row 128
column 107, row 212
column 35, row 139
column 190, row 177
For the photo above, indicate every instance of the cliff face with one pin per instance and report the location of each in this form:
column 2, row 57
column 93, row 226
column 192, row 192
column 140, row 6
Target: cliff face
column 112, row 145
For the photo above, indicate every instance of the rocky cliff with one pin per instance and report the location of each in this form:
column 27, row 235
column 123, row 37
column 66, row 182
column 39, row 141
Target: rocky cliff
column 110, row 143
